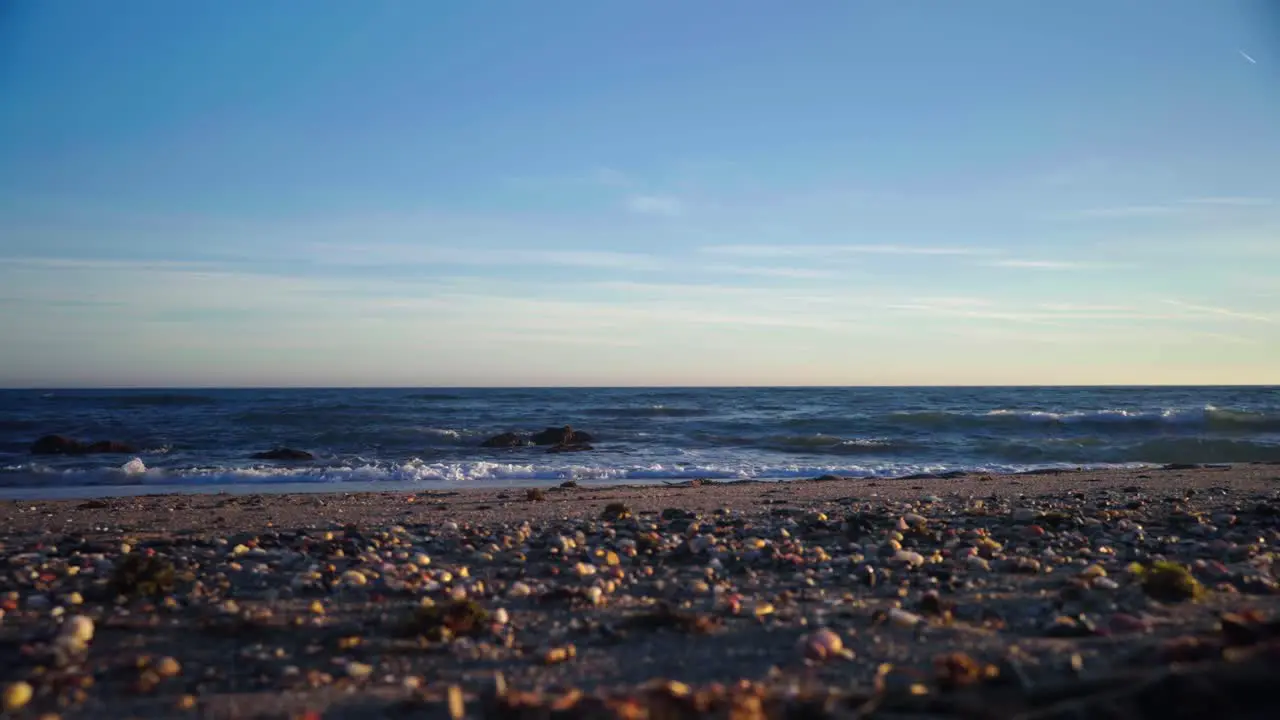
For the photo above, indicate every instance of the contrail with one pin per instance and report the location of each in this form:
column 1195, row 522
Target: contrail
column 1246, row 56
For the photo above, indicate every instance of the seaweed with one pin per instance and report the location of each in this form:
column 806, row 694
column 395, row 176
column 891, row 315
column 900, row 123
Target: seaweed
column 439, row 623
column 615, row 511
column 1170, row 582
column 139, row 575
column 665, row 618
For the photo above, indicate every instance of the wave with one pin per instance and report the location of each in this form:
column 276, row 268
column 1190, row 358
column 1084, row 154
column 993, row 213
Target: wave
column 435, row 396
column 811, row 443
column 650, row 411
column 138, row 400
column 1156, row 450
column 134, row 473
column 1207, row 418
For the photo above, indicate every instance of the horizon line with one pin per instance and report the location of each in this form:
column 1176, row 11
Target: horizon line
column 153, row 388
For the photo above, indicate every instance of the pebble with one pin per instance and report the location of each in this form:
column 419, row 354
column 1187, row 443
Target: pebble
column 823, row 644
column 914, row 521
column 904, row 619
column 1105, row 583
column 168, row 667
column 1024, row 515
column 16, row 696
column 1125, row 623
column 908, row 558
column 77, row 629
column 978, row 563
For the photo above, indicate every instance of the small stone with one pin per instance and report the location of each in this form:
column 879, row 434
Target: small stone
column 903, row 619
column 1093, row 571
column 456, row 702
column 354, row 578
column 1105, row 583
column 16, row 696
column 822, row 645
column 908, row 558
column 1025, row 515
column 501, row 616
column 1126, row 623
column 359, row 670
column 77, row 629
column 519, row 589
column 168, row 667
column 559, row 654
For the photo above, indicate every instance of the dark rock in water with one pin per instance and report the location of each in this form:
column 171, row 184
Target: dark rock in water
column 56, row 445
column 562, row 436
column 573, row 447
column 507, row 439
column 283, row 453
column 62, row 445
column 109, row 446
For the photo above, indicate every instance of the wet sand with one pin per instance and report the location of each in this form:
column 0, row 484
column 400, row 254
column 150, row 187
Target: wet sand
column 939, row 591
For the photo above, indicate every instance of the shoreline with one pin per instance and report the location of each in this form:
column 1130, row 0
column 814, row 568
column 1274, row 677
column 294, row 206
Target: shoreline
column 282, row 604
column 105, row 490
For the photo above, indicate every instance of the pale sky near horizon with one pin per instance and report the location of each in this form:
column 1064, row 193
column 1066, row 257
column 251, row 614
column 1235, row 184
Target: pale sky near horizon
column 828, row 192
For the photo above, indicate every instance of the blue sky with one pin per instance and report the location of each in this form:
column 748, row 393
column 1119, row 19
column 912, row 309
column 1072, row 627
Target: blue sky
column 639, row 193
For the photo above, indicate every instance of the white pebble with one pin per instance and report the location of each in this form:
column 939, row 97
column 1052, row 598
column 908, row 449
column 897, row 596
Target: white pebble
column 903, row 619
column 77, row 629
column 977, row 563
column 1105, row 583
column 1024, row 515
column 908, row 558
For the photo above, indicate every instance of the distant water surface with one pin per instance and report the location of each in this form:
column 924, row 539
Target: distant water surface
column 204, row 438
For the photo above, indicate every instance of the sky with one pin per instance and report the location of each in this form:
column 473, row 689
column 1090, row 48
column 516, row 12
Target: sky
column 511, row 193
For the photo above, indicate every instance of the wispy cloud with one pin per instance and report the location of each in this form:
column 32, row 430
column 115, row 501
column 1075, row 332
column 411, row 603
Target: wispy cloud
column 1178, row 206
column 773, row 272
column 1230, row 201
column 774, row 251
column 401, row 254
column 103, row 263
column 660, row 205
column 1220, row 311
column 1129, row 211
column 1074, row 172
column 1039, row 264
column 602, row 176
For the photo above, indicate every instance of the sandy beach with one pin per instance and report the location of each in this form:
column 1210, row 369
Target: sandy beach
column 972, row 596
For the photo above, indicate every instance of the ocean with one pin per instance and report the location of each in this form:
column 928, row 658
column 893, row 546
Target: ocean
column 203, row 439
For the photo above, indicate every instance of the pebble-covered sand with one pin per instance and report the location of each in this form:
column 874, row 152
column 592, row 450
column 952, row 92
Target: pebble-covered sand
column 1135, row 593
